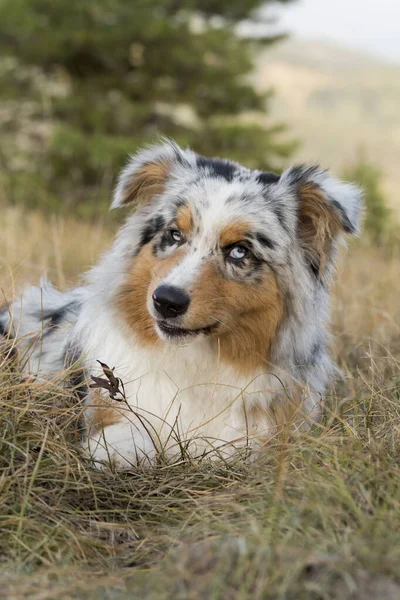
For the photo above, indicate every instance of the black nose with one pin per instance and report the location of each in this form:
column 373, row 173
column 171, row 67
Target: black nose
column 170, row 301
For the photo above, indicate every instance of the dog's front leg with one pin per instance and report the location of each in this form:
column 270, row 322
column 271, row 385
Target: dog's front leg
column 122, row 445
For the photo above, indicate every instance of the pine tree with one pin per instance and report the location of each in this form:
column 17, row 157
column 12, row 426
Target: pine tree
column 109, row 75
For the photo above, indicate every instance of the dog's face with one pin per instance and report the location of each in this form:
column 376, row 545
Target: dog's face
column 215, row 245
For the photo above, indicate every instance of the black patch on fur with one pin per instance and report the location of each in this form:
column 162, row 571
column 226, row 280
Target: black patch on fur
column 77, row 382
column 180, row 159
column 217, row 167
column 348, row 226
column 57, row 317
column 266, row 178
column 315, row 268
column 54, row 318
column 279, row 212
column 297, row 174
column 162, row 245
column 77, row 379
column 316, row 351
column 150, row 231
column 3, row 331
column 301, row 173
column 265, row 241
column 311, row 359
column 8, row 350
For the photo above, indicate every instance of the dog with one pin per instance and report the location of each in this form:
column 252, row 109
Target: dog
column 207, row 320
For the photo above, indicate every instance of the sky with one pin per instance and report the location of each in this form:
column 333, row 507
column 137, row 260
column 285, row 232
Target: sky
column 369, row 25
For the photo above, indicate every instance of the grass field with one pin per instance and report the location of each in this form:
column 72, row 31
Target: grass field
column 318, row 517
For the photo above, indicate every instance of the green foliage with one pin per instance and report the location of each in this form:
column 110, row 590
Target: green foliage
column 377, row 213
column 109, row 76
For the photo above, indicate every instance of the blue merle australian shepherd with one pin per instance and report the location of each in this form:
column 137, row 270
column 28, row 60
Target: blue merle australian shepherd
column 212, row 305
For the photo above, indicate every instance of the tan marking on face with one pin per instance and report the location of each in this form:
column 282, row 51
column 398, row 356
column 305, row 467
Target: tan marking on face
column 184, row 220
column 319, row 224
column 257, row 313
column 148, row 181
column 146, row 273
column 249, row 315
column 234, row 233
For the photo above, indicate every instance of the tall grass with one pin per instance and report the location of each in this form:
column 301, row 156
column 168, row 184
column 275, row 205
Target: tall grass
column 62, row 247
column 317, row 517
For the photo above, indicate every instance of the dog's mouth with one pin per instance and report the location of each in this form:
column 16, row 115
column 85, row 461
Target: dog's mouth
column 174, row 332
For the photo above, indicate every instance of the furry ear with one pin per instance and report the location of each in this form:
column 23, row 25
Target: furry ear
column 326, row 208
column 146, row 174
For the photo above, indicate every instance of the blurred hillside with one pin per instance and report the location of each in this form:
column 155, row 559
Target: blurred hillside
column 339, row 103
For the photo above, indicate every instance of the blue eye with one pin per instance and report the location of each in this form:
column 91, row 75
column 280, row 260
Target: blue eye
column 238, row 253
column 176, row 235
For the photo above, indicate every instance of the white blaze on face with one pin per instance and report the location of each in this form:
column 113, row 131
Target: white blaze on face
column 185, row 272
column 214, row 217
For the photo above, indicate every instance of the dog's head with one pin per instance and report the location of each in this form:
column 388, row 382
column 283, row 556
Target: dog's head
column 217, row 246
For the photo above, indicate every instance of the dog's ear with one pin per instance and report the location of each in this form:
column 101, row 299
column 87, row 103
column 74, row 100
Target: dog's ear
column 146, row 174
column 326, row 209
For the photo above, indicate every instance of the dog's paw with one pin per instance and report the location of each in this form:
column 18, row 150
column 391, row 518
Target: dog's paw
column 120, row 446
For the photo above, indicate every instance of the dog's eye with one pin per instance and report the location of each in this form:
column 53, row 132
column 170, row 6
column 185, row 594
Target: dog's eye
column 175, row 235
column 237, row 253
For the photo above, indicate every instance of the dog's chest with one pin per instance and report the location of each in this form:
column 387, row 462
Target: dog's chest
column 213, row 404
column 186, row 391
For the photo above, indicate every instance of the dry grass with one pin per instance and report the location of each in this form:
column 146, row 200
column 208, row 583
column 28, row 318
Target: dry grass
column 31, row 245
column 317, row 518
